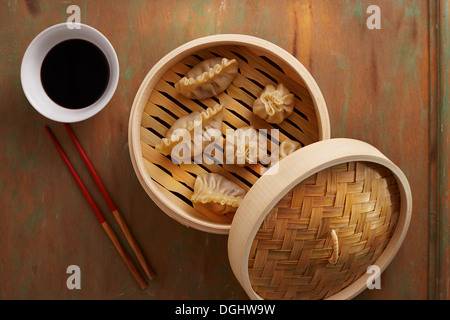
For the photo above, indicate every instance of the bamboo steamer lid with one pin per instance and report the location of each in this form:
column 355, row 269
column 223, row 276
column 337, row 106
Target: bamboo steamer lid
column 310, row 228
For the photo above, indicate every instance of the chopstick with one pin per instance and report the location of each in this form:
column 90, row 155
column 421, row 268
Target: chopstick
column 112, row 236
column 117, row 216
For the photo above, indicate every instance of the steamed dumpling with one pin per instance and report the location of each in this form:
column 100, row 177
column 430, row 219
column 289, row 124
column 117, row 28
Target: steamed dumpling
column 208, row 79
column 287, row 147
column 219, row 194
column 184, row 134
column 244, row 149
column 274, row 104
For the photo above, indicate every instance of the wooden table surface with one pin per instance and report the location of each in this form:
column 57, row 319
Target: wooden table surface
column 388, row 87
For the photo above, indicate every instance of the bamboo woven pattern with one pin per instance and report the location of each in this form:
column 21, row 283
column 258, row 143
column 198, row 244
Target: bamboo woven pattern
column 165, row 105
column 289, row 257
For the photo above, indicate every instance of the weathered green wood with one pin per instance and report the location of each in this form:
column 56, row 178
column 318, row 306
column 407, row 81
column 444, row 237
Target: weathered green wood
column 433, row 243
column 443, row 134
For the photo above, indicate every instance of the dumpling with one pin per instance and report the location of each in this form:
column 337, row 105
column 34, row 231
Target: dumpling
column 287, row 147
column 208, row 79
column 242, row 146
column 219, row 194
column 274, row 104
column 192, row 133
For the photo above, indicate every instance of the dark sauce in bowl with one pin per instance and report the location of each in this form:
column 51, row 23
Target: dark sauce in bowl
column 75, row 74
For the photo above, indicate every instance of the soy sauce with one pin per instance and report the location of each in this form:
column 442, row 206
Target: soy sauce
column 75, row 74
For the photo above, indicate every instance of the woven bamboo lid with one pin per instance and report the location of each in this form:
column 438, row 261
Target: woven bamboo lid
column 312, row 228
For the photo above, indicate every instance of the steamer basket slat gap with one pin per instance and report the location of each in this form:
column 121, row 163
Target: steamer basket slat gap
column 333, row 207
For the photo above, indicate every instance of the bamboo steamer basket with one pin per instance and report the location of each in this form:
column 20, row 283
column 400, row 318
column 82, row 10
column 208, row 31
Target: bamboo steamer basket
column 157, row 105
column 333, row 209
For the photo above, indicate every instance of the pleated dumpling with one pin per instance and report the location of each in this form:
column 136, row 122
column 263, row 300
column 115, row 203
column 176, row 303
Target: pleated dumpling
column 217, row 193
column 274, row 104
column 207, row 79
column 242, row 146
column 183, row 133
column 288, row 147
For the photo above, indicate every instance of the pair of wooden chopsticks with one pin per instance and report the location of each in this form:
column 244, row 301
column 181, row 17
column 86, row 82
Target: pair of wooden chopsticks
column 126, row 258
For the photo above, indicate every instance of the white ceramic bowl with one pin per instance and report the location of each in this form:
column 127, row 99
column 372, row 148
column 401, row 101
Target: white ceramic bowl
column 31, row 72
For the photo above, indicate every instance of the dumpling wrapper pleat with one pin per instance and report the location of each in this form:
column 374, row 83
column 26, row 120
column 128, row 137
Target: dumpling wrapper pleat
column 208, row 79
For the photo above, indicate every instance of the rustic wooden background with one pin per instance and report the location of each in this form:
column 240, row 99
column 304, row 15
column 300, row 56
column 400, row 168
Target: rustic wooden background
column 388, row 87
